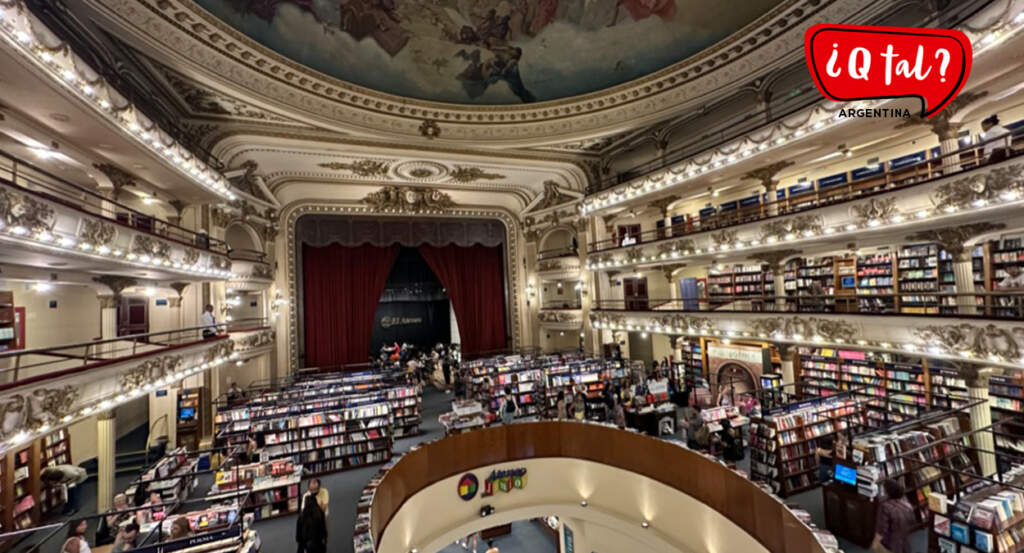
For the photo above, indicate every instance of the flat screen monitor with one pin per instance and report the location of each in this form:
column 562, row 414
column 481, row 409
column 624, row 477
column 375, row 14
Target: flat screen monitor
column 846, row 475
column 849, row 282
column 187, row 413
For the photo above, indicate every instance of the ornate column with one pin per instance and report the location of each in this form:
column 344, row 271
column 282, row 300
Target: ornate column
column 787, row 354
column 952, row 240
column 586, row 292
column 179, row 208
column 175, row 303
column 766, row 176
column 662, row 206
column 943, row 125
column 776, row 261
column 981, row 416
column 106, row 455
column 113, row 181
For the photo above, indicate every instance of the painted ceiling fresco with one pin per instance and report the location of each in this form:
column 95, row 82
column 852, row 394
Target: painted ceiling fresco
column 487, row 51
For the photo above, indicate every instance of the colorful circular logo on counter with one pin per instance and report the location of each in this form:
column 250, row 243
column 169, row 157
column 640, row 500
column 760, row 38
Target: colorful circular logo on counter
column 468, row 485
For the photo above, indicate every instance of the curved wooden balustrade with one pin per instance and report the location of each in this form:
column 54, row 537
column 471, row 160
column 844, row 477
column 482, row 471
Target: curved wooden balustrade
column 761, row 515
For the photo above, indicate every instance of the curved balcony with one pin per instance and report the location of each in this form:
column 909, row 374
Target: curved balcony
column 56, row 221
column 958, row 337
column 569, row 317
column 869, row 214
column 559, row 268
column 46, row 388
column 584, row 472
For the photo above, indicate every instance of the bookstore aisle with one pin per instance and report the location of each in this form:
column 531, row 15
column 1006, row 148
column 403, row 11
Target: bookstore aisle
column 345, row 487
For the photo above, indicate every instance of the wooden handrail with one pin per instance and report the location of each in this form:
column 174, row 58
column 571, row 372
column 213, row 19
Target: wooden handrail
column 759, row 514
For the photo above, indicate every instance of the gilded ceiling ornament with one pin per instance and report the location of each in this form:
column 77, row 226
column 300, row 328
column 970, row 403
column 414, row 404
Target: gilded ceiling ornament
column 247, row 182
column 952, row 239
column 145, row 245
column 360, row 167
column 552, row 196
column 430, row 129
column 801, row 225
column 967, row 340
column 116, row 283
column 269, row 231
column 529, row 221
column 531, row 235
column 724, row 236
column 874, row 210
column 408, row 199
column 464, row 174
column 996, row 185
column 675, row 246
column 96, row 232
column 776, row 258
column 22, row 210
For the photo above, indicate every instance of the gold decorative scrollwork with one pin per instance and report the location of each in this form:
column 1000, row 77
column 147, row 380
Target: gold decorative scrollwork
column 408, row 199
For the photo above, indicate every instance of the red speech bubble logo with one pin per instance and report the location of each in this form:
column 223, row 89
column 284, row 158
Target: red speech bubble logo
column 858, row 62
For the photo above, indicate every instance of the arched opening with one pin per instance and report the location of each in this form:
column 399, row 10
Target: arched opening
column 414, row 307
column 734, row 381
column 558, row 242
column 242, row 239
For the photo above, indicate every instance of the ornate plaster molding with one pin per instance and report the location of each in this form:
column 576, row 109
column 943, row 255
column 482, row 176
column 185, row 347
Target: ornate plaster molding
column 24, row 211
column 782, row 229
column 874, row 210
column 982, row 342
column 97, row 232
column 409, row 199
column 954, row 239
column 1000, row 184
column 41, row 407
column 805, row 327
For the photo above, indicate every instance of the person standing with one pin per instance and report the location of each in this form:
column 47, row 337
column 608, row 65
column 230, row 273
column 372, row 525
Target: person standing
column 76, row 538
column 995, row 150
column 316, row 490
column 446, row 370
column 895, row 520
column 209, row 322
column 491, row 548
column 579, row 406
column 509, row 407
column 69, row 477
column 560, row 407
column 311, row 527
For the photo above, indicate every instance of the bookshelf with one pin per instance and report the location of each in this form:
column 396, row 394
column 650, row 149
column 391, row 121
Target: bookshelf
column 54, row 449
column 405, row 402
column 331, row 441
column 691, row 362
column 591, row 374
column 273, row 485
column 739, row 280
column 7, row 330
column 947, row 279
column 783, row 445
column 989, row 519
column 816, row 277
column 190, row 416
column 1005, row 253
column 918, row 275
column 875, row 276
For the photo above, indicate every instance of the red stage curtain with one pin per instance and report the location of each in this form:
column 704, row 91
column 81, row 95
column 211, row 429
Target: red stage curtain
column 341, row 289
column 474, row 279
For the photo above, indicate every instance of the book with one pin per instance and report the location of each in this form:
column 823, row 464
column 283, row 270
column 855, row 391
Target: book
column 960, row 532
column 941, row 525
column 946, row 546
column 983, row 541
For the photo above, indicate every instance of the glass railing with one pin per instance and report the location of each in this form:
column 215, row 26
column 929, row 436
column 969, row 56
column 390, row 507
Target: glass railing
column 885, row 179
column 31, row 365
column 18, row 174
column 988, row 305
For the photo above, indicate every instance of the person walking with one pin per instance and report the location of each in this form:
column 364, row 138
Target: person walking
column 315, row 489
column 509, row 407
column 311, row 527
column 895, row 520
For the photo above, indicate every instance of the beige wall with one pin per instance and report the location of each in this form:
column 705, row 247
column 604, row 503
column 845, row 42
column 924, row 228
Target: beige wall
column 83, row 433
column 618, row 500
column 558, row 340
column 75, row 319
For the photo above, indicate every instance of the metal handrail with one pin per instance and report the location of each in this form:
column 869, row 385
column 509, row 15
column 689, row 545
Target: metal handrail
column 73, row 196
column 888, row 180
column 818, row 303
column 122, row 347
column 248, row 255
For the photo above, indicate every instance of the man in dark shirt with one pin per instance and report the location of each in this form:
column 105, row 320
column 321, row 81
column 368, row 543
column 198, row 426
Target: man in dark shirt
column 895, row 520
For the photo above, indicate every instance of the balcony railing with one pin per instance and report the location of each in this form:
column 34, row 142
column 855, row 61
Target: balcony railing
column 561, row 304
column 986, row 305
column 853, row 187
column 27, row 178
column 243, row 254
column 19, row 367
column 726, row 131
column 567, row 251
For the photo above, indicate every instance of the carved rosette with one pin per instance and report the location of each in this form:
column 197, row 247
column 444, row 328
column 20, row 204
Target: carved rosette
column 96, row 232
column 148, row 246
column 22, row 210
column 967, row 340
column 408, row 199
column 801, row 225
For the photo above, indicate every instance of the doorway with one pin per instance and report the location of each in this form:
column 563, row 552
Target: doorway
column 132, row 315
column 635, row 293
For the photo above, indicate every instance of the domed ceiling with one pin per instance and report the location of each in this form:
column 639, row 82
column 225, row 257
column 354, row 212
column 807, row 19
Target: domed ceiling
column 487, row 51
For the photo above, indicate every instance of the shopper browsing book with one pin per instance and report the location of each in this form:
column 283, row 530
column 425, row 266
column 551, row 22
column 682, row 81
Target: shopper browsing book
column 895, row 521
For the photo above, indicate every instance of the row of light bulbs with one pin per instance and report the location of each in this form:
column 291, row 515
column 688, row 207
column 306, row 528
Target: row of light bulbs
column 937, row 349
column 59, row 63
column 740, row 245
column 47, row 238
column 627, row 192
column 110, row 403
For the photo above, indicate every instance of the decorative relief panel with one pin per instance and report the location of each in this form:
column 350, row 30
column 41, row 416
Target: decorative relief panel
column 43, row 406
column 23, row 211
column 409, row 199
column 98, row 233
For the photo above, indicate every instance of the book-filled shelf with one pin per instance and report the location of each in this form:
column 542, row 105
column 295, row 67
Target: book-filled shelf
column 273, row 486
column 521, row 374
column 24, row 501
column 921, row 454
column 592, row 375
column 983, row 515
column 54, row 449
column 725, row 282
column 690, row 366
column 1006, row 252
column 784, row 440
column 330, row 441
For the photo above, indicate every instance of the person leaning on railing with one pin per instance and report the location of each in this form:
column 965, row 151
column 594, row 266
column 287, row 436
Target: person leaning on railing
column 209, row 322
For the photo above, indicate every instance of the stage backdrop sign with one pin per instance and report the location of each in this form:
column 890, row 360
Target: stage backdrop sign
column 423, row 323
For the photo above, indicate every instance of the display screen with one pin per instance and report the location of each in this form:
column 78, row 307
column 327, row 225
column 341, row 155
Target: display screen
column 187, row 413
column 849, row 282
column 847, row 475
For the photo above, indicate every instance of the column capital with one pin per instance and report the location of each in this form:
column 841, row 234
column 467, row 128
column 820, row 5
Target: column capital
column 977, row 377
column 766, row 174
column 108, row 302
column 106, row 415
column 663, row 203
column 786, row 351
column 952, row 239
column 115, row 283
column 942, row 123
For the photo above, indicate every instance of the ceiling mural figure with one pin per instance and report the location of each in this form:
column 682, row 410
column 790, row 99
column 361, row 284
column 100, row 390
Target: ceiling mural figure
column 488, row 51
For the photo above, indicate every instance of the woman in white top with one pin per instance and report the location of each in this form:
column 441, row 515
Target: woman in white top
column 76, row 538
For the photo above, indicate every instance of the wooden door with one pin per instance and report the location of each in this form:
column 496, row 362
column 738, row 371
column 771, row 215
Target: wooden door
column 132, row 316
column 635, row 293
